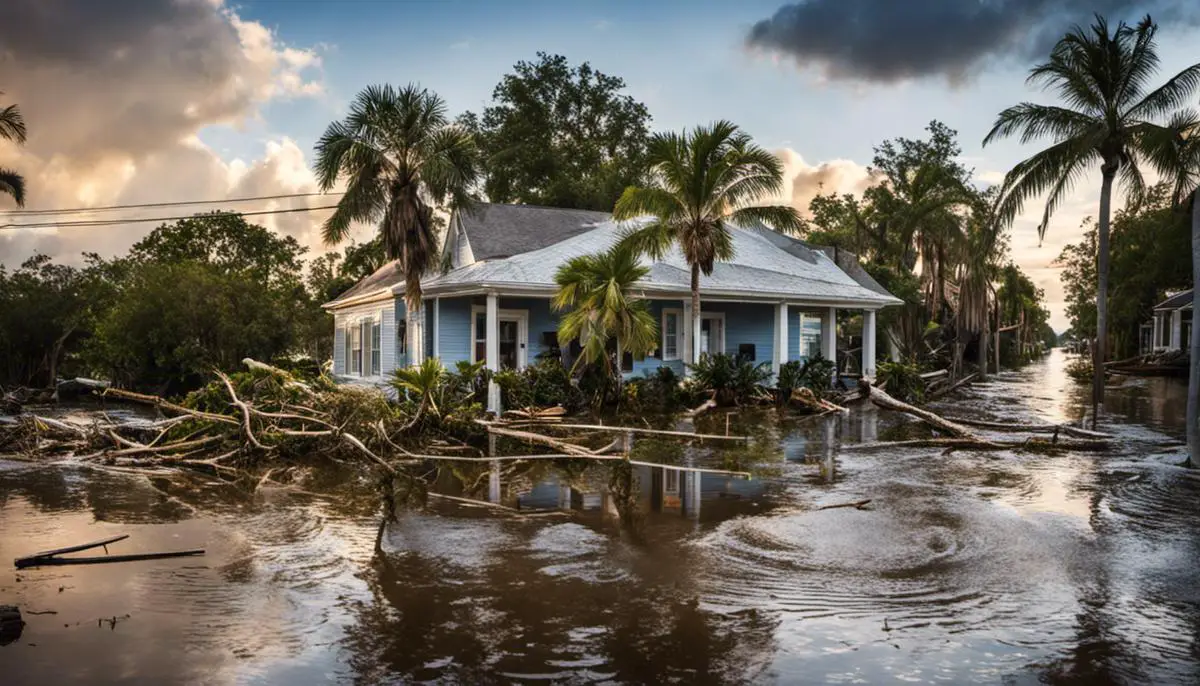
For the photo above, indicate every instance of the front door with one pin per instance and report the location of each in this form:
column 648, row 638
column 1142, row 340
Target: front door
column 510, row 343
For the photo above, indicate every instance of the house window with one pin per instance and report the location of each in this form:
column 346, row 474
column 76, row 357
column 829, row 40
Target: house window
column 376, row 348
column 810, row 336
column 672, row 332
column 746, row 351
column 355, row 358
column 480, row 337
column 401, row 336
column 346, row 351
column 626, row 362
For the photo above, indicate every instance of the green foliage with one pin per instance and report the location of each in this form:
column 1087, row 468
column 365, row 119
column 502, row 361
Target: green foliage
column 561, row 135
column 12, row 128
column 815, row 374
column 903, row 381
column 546, row 383
column 734, row 380
column 601, row 312
column 657, row 392
column 1150, row 254
column 400, row 156
column 1080, row 369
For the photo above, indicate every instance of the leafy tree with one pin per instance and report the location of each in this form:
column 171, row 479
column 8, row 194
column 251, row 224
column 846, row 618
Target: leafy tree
column 1078, row 261
column 401, row 157
column 1175, row 152
column 601, row 310
column 562, row 136
column 46, row 311
column 700, row 181
column 12, row 128
column 1102, row 76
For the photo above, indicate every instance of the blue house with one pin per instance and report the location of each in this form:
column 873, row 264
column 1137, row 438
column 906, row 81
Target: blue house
column 777, row 300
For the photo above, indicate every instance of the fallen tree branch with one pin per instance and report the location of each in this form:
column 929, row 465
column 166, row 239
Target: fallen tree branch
column 555, row 443
column 246, row 414
column 1035, row 428
column 163, row 404
column 887, row 402
column 858, row 505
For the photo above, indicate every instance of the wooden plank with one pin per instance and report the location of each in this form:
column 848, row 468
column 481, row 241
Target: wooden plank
column 71, row 549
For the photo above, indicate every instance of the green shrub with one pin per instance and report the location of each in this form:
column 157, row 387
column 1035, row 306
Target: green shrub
column 733, row 380
column 544, row 383
column 1080, row 369
column 903, row 381
column 656, row 392
column 814, row 374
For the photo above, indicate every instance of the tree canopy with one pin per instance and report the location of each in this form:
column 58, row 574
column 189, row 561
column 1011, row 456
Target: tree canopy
column 561, row 135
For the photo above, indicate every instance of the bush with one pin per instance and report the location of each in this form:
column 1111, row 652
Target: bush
column 1080, row 369
column 733, row 380
column 903, row 381
column 545, row 383
column 815, row 374
column 657, row 392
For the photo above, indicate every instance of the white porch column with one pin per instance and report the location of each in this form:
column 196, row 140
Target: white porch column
column 868, row 351
column 688, row 339
column 1177, row 329
column 416, row 336
column 696, row 329
column 781, row 337
column 437, row 326
column 829, row 337
column 493, row 349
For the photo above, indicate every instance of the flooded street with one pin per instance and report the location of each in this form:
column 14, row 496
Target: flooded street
column 988, row 567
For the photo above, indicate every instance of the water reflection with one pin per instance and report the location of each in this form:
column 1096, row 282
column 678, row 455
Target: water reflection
column 990, row 567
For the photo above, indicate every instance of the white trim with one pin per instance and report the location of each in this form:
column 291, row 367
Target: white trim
column 711, row 316
column 680, row 338
column 522, row 319
column 526, row 290
column 437, row 326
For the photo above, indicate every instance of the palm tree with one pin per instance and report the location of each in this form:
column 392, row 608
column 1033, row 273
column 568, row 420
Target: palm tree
column 700, row 181
column 984, row 247
column 604, row 314
column 1102, row 77
column 1174, row 150
column 12, row 128
column 401, row 157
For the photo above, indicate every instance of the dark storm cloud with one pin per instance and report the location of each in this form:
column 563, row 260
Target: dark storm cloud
column 891, row 40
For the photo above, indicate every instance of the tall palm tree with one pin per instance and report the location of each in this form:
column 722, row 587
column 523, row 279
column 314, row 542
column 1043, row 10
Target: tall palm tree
column 1102, row 78
column 401, row 156
column 12, row 128
column 604, row 314
column 701, row 181
column 984, row 248
column 1174, row 150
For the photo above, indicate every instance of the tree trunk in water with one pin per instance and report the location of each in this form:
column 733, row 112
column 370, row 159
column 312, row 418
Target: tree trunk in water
column 1193, row 396
column 695, row 323
column 1109, row 171
column 982, row 359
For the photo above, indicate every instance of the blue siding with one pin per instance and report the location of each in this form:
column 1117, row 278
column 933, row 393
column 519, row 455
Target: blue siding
column 652, row 363
column 793, row 352
column 454, row 328
column 752, row 323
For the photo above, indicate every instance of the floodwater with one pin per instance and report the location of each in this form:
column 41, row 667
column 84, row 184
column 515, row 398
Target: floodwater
column 999, row 567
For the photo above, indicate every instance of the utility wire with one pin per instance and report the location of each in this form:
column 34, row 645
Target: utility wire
column 143, row 220
column 85, row 210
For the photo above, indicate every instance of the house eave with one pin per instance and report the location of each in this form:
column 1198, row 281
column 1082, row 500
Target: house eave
column 382, row 294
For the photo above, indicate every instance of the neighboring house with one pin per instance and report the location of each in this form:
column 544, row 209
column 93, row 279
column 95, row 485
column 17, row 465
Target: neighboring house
column 775, row 301
column 1171, row 327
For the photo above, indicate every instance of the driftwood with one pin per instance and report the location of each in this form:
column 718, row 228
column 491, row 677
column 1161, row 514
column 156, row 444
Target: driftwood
column 51, row 557
column 566, row 447
column 651, row 432
column 858, row 505
column 887, row 402
column 1035, row 428
column 952, row 387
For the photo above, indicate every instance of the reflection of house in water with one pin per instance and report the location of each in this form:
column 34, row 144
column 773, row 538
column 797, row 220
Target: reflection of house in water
column 666, row 490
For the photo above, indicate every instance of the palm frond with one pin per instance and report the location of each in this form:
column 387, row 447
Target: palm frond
column 782, row 218
column 13, row 184
column 12, row 124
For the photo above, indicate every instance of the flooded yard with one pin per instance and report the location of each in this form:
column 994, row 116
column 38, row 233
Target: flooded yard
column 981, row 567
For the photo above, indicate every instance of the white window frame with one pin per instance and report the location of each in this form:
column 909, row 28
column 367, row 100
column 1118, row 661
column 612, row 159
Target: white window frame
column 719, row 316
column 522, row 319
column 352, row 369
column 376, row 345
column 801, row 333
column 679, row 339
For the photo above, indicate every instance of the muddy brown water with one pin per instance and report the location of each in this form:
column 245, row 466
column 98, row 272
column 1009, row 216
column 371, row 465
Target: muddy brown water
column 988, row 568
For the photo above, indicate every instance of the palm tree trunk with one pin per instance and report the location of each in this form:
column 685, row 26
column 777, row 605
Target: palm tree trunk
column 982, row 359
column 1193, row 396
column 695, row 323
column 1109, row 172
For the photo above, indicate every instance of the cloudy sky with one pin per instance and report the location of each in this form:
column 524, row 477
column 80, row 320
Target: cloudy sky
column 139, row 101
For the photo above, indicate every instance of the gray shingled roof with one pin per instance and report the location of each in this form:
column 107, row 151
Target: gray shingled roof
column 496, row 230
column 385, row 277
column 759, row 268
column 1176, row 301
column 846, row 260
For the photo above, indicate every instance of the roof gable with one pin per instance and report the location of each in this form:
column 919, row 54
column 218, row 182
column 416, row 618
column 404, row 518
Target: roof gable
column 496, row 231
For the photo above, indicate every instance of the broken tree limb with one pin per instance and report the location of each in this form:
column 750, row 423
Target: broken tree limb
column 288, row 380
column 59, row 561
column 887, row 402
column 247, row 425
column 555, row 443
column 650, row 432
column 166, row 405
column 952, row 387
column 1034, row 428
column 102, row 543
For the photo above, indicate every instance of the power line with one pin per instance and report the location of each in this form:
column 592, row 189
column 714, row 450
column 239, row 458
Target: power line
column 180, row 203
column 143, row 220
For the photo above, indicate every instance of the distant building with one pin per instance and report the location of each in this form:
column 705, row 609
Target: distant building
column 1171, row 327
